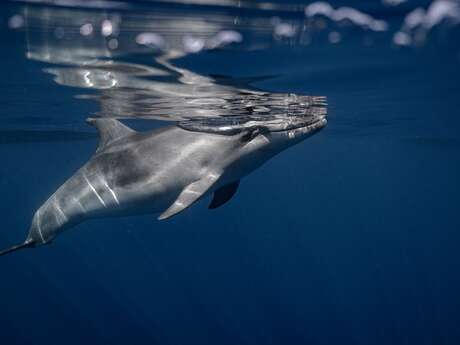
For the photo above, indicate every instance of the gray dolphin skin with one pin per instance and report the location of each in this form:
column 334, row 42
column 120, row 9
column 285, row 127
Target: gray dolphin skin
column 163, row 171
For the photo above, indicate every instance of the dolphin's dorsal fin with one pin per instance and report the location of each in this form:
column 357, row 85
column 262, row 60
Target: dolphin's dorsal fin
column 109, row 130
column 190, row 194
column 224, row 194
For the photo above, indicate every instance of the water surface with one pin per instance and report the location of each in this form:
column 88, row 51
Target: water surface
column 350, row 237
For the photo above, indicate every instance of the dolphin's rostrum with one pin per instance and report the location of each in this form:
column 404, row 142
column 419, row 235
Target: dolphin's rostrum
column 163, row 171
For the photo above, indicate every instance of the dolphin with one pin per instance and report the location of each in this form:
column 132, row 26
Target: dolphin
column 163, row 171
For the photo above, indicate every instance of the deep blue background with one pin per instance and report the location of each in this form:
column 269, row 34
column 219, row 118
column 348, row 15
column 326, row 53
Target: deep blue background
column 348, row 238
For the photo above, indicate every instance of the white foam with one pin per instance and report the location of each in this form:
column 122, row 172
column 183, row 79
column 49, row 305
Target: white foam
column 285, row 30
column 112, row 44
column 223, row 38
column 150, row 39
column 350, row 14
column 193, row 44
column 438, row 12
column 334, row 37
column 393, row 2
column 106, row 28
column 359, row 18
column 319, row 8
column 16, row 22
column 414, row 18
column 441, row 10
column 86, row 29
column 402, row 39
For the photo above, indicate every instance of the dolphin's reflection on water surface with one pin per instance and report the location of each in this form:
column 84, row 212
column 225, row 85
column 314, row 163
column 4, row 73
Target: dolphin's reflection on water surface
column 222, row 129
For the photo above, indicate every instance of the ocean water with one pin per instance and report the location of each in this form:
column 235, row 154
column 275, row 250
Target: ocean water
column 349, row 237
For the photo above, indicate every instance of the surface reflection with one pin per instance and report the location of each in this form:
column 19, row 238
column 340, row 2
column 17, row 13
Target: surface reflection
column 90, row 49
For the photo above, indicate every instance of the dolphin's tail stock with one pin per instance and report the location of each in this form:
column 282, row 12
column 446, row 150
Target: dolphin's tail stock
column 27, row 244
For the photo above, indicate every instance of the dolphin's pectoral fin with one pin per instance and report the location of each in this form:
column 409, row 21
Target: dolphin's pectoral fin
column 224, row 194
column 190, row 194
column 109, row 130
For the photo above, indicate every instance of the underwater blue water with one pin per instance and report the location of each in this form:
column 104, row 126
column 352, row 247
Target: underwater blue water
column 350, row 237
